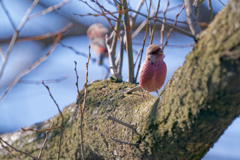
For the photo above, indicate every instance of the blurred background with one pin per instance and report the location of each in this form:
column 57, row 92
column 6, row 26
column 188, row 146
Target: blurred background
column 28, row 102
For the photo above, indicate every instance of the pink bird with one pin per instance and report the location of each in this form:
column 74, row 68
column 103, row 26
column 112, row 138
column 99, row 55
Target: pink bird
column 96, row 34
column 153, row 70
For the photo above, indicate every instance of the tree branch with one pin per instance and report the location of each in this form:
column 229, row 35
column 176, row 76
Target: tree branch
column 191, row 17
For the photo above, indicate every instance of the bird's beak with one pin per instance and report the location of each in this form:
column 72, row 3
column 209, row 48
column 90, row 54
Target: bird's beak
column 160, row 51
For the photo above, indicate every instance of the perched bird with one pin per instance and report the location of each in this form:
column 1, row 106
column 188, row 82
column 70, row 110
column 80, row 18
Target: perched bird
column 153, row 71
column 96, row 34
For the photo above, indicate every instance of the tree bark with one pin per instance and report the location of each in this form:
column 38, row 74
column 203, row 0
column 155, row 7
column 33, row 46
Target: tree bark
column 193, row 110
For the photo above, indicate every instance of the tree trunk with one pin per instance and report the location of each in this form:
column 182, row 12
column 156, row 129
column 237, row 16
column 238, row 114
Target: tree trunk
column 193, row 110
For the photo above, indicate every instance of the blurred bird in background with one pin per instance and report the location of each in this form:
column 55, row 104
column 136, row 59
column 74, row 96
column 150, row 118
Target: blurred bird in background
column 96, row 34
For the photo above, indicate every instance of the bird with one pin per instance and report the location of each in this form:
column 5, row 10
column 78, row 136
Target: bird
column 153, row 70
column 96, row 34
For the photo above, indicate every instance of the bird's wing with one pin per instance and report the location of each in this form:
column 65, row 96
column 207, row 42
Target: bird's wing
column 99, row 42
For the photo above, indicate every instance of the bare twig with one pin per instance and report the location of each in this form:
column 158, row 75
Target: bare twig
column 154, row 25
column 116, row 30
column 171, row 29
column 191, row 17
column 141, row 26
column 44, row 143
column 25, row 81
column 15, row 35
column 8, row 15
column 1, row 53
column 163, row 26
column 86, row 82
column 61, row 127
column 129, row 143
column 128, row 43
column 50, row 9
column 82, row 54
column 138, row 55
column 132, row 127
column 40, row 130
column 36, row 64
column 17, row 150
column 81, row 112
column 47, row 35
column 113, row 68
column 171, row 8
column 221, row 2
column 101, row 14
column 134, row 15
column 141, row 51
column 104, row 9
column 178, row 29
column 138, row 87
column 210, row 9
column 120, row 56
column 8, row 150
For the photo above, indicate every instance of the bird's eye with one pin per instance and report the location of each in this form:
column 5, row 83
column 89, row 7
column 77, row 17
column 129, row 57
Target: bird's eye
column 154, row 52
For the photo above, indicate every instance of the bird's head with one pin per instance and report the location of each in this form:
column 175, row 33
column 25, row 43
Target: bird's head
column 97, row 30
column 154, row 53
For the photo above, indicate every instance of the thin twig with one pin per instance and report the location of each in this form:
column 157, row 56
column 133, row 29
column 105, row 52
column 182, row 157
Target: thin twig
column 113, row 68
column 221, row 2
column 120, row 56
column 86, row 82
column 82, row 54
column 128, row 36
column 17, row 150
column 134, row 15
column 48, row 35
column 138, row 87
column 171, row 45
column 149, row 11
column 210, row 9
column 8, row 150
column 141, row 26
column 36, row 64
column 15, row 35
column 154, row 25
column 163, row 24
column 132, row 127
column 138, row 55
column 171, row 29
column 142, row 49
column 101, row 14
column 50, row 9
column 61, row 127
column 44, row 143
column 8, row 15
column 180, row 30
column 40, row 130
column 81, row 112
column 116, row 30
column 129, row 143
column 171, row 8
column 1, row 53
column 103, row 8
column 57, row 80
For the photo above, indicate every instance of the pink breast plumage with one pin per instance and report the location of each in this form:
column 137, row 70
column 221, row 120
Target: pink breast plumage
column 152, row 75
